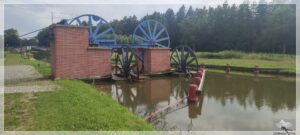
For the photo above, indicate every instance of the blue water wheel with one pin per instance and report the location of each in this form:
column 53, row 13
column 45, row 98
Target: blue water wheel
column 183, row 58
column 126, row 62
column 100, row 31
column 152, row 33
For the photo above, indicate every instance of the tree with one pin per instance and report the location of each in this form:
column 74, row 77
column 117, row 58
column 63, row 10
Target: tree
column 180, row 15
column 11, row 38
column 29, row 42
column 125, row 26
column 171, row 25
column 43, row 37
column 279, row 35
column 190, row 11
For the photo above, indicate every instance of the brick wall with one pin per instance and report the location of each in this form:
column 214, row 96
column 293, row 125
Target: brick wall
column 156, row 60
column 72, row 58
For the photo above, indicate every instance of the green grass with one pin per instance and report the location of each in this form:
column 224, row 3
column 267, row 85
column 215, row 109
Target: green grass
column 77, row 106
column 240, row 59
column 284, row 78
column 16, row 59
column 13, row 110
column 244, row 55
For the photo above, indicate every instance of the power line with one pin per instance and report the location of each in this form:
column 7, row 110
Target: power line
column 41, row 28
column 31, row 32
column 52, row 17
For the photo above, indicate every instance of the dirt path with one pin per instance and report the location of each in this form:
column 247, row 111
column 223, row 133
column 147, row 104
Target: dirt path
column 20, row 73
column 26, row 89
column 25, row 79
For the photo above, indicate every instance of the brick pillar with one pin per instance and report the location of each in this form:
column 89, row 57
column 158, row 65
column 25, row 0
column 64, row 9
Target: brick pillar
column 156, row 60
column 71, row 58
column 99, row 62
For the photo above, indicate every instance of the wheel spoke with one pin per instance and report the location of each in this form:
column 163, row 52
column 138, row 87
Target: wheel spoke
column 97, row 27
column 162, row 39
column 160, row 45
column 120, row 60
column 130, row 58
column 182, row 54
column 154, row 30
column 143, row 31
column 186, row 56
column 144, row 39
column 175, row 60
column 160, row 32
column 190, row 61
column 79, row 22
column 179, row 60
column 149, row 29
column 119, row 67
column 104, row 32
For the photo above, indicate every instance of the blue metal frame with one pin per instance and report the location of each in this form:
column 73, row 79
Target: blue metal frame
column 152, row 33
column 96, row 34
column 135, row 46
column 146, row 31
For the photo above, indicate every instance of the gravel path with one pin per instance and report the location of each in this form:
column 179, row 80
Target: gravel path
column 26, row 89
column 20, row 73
column 25, row 79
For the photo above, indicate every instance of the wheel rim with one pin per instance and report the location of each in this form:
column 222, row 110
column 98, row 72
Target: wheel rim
column 151, row 32
column 100, row 31
column 183, row 57
column 127, row 62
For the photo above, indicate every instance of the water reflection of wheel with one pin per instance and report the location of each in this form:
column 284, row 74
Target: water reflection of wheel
column 126, row 95
column 179, row 86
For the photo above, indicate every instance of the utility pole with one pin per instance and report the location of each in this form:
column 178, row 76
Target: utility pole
column 52, row 17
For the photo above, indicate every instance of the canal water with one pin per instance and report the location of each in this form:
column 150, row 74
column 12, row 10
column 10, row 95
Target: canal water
column 229, row 102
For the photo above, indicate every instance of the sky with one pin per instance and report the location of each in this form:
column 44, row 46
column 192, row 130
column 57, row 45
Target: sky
column 26, row 17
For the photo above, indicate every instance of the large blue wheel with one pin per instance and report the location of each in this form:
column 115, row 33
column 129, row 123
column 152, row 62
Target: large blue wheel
column 100, row 31
column 153, row 33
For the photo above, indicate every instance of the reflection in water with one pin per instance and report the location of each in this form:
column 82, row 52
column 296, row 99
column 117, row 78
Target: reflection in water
column 247, row 91
column 149, row 95
column 229, row 102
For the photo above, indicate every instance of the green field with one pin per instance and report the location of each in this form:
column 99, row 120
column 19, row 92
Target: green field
column 240, row 59
column 75, row 105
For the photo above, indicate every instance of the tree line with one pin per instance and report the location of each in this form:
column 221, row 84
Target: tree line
column 245, row 27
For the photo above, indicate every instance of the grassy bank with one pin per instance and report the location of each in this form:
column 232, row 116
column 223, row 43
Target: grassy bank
column 241, row 59
column 75, row 105
column 16, row 59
